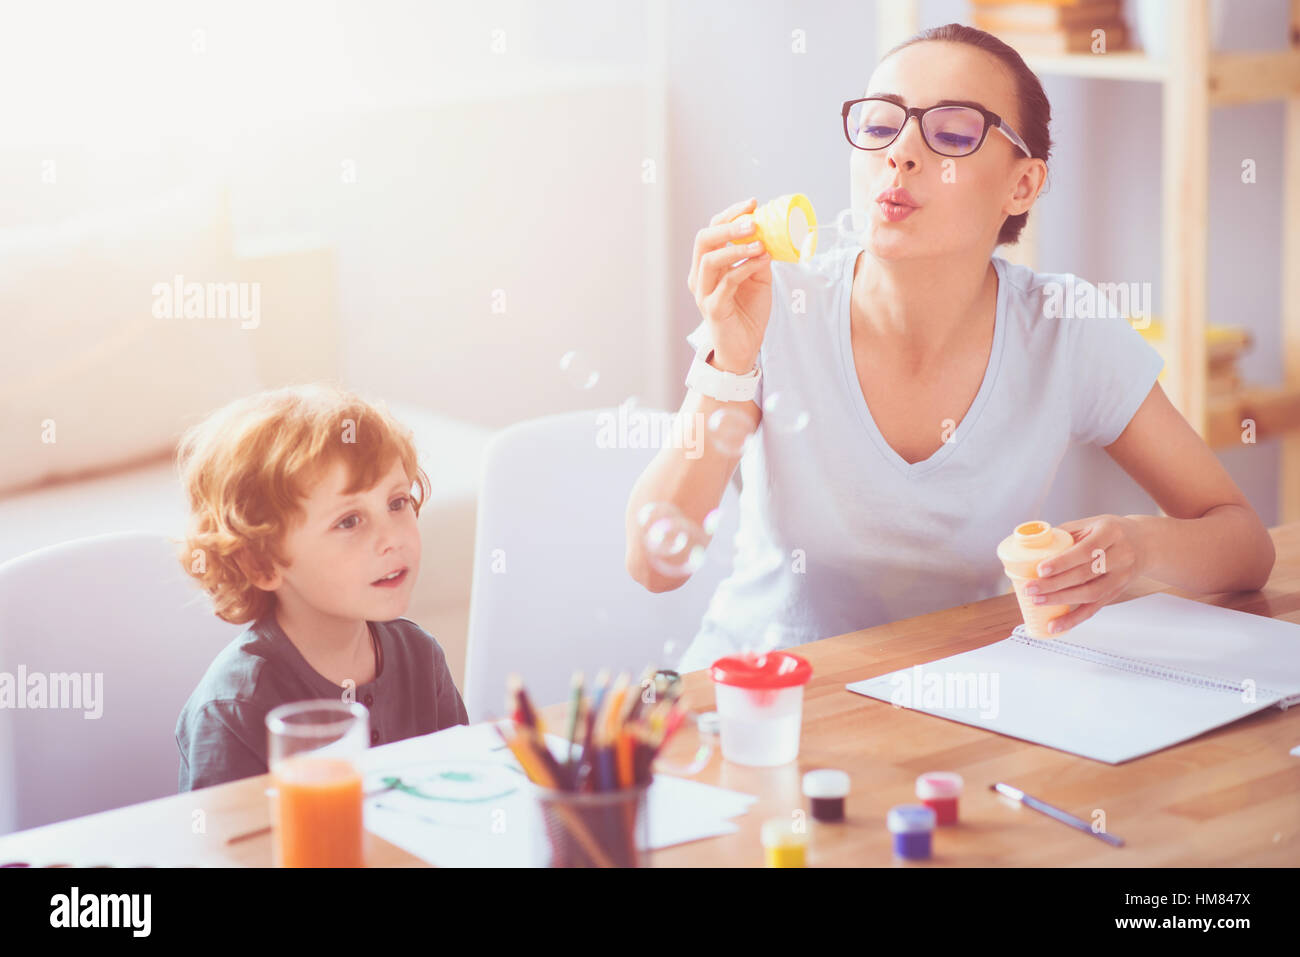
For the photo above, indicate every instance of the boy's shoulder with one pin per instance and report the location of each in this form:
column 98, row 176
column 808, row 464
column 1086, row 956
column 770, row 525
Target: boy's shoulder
column 237, row 674
column 411, row 637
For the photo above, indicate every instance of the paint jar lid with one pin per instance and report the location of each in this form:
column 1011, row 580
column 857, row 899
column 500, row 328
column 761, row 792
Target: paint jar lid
column 708, row 722
column 773, row 669
column 826, row 783
column 938, row 784
column 780, row 832
column 909, row 819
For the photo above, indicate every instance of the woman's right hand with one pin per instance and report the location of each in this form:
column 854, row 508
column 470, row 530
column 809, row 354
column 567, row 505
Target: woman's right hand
column 735, row 300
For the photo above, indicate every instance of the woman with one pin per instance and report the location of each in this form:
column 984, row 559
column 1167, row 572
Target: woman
column 941, row 389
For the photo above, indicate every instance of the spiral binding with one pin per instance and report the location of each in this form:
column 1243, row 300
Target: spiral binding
column 1138, row 666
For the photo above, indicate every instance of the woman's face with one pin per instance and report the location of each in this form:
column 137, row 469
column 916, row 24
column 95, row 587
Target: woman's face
column 962, row 200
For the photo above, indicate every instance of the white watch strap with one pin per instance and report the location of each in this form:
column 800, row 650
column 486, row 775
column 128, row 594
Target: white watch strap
column 723, row 386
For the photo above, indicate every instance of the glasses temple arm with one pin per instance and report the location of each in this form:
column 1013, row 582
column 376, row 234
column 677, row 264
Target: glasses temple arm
column 1010, row 134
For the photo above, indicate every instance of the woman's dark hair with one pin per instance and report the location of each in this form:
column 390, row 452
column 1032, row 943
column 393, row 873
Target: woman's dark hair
column 1035, row 111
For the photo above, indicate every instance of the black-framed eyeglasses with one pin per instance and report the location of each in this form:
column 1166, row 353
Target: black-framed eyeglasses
column 872, row 123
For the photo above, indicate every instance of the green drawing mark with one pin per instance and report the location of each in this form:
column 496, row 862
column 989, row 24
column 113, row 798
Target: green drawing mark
column 460, row 776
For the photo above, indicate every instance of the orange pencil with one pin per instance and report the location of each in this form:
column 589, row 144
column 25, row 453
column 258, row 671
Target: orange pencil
column 536, row 743
column 614, row 707
column 626, row 747
column 528, row 761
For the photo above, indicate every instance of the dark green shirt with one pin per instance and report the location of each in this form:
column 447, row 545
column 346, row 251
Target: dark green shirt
column 221, row 731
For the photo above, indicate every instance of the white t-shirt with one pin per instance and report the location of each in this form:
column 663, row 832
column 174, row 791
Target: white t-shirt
column 837, row 531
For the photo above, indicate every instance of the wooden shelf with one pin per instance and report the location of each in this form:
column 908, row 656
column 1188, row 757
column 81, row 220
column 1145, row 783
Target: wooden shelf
column 1234, row 78
column 1237, row 78
column 1120, row 65
column 1275, row 412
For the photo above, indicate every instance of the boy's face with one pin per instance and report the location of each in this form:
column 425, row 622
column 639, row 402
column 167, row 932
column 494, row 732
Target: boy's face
column 344, row 544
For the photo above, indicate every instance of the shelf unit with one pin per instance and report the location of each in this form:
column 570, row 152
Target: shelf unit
column 1194, row 79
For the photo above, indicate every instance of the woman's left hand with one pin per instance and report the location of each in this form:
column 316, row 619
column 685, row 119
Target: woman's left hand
column 1107, row 554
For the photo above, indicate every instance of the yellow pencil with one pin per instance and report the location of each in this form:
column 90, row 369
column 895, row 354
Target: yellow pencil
column 614, row 707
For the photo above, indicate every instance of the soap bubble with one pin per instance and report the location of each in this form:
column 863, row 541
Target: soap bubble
column 729, row 431
column 675, row 546
column 851, row 224
column 785, row 412
column 711, row 522
column 671, row 654
column 651, row 512
column 773, row 637
column 579, row 369
column 803, row 236
column 809, row 245
column 847, row 231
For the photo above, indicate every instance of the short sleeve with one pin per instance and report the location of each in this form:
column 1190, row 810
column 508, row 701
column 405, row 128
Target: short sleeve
column 450, row 705
column 217, row 745
column 1113, row 370
column 699, row 337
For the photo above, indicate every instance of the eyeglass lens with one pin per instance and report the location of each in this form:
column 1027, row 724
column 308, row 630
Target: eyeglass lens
column 950, row 130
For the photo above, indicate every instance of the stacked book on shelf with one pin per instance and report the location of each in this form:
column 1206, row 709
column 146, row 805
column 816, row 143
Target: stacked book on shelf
column 1224, row 345
column 1053, row 26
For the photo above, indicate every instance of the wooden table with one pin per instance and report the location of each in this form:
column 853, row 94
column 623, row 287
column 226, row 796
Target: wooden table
column 1228, row 797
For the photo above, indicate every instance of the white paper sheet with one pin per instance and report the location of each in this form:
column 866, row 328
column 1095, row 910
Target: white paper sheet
column 1119, row 707
column 479, row 814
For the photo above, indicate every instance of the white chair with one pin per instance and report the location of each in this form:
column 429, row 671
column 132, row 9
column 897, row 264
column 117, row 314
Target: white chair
column 551, row 591
column 117, row 605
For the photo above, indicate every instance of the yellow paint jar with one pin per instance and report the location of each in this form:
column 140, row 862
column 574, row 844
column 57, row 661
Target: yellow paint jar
column 783, row 846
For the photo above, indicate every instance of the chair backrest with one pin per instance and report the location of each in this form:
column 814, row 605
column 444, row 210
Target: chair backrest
column 118, row 635
column 551, row 592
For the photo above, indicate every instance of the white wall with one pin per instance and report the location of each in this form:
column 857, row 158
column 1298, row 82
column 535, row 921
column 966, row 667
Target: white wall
column 131, row 97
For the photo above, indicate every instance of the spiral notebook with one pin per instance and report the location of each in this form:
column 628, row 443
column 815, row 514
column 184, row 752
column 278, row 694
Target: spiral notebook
column 1136, row 677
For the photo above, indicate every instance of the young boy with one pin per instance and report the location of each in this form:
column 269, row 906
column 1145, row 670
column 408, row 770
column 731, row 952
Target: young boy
column 303, row 522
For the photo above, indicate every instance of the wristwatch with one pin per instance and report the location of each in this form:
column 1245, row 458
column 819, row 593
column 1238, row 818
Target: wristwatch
column 724, row 386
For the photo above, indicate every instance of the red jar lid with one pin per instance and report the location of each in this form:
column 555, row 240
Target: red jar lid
column 775, row 669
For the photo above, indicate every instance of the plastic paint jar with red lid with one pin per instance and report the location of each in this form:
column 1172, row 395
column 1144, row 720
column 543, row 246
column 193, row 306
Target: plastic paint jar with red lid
column 939, row 791
column 760, row 706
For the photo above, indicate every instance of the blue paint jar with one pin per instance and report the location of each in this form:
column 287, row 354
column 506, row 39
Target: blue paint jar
column 912, row 825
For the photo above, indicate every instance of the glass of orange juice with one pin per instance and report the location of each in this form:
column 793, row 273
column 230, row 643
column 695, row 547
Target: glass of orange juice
column 313, row 752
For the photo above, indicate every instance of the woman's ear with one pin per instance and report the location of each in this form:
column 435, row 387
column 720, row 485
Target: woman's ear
column 1032, row 175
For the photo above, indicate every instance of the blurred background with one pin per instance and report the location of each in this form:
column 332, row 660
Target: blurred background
column 483, row 213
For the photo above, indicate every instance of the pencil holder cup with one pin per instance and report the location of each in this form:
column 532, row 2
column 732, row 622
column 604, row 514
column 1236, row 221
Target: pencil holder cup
column 592, row 829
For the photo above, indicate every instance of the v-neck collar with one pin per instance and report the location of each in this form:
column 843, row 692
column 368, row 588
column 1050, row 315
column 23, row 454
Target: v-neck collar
column 859, row 401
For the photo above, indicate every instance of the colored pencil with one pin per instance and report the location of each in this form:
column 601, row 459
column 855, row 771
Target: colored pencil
column 540, row 776
column 575, row 710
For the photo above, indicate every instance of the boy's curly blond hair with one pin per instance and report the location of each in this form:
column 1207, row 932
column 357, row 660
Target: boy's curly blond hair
column 247, row 468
